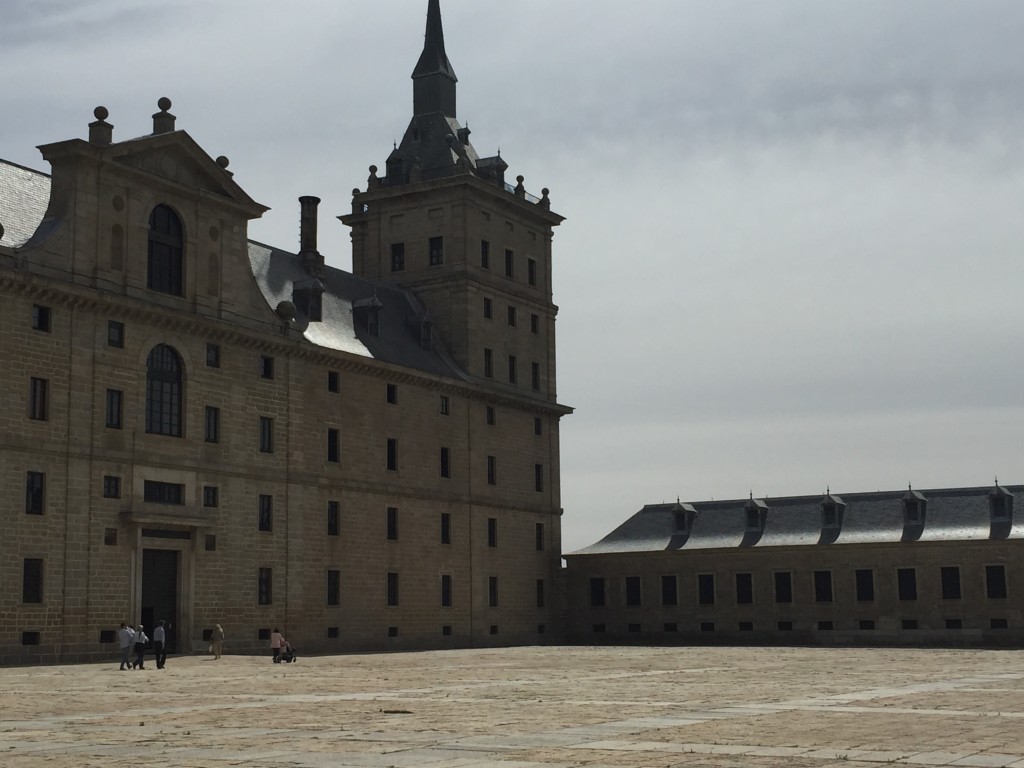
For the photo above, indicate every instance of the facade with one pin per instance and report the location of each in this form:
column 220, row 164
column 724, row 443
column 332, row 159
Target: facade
column 912, row 567
column 208, row 430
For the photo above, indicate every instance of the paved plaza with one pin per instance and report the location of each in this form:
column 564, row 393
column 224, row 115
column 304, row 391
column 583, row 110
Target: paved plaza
column 551, row 707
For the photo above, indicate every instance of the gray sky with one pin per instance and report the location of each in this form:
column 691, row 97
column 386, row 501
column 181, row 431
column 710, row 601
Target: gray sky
column 792, row 257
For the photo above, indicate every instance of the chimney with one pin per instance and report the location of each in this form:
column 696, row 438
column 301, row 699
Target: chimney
column 101, row 132
column 163, row 121
column 311, row 258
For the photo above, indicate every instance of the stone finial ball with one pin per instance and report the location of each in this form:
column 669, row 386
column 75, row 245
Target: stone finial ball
column 520, row 179
column 450, row 138
column 101, row 113
column 545, row 191
column 223, row 162
column 355, row 191
column 373, row 169
column 164, row 103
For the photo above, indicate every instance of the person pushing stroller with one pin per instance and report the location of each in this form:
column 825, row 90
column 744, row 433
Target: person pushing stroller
column 280, row 647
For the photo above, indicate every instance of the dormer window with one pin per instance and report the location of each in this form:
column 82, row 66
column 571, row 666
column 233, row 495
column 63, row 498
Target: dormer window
column 366, row 315
column 755, row 513
column 1000, row 505
column 914, row 505
column 682, row 519
column 832, row 508
column 308, row 300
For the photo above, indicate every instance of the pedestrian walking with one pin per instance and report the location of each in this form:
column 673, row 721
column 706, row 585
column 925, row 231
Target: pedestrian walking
column 160, row 645
column 217, row 641
column 125, row 639
column 277, row 643
column 140, row 647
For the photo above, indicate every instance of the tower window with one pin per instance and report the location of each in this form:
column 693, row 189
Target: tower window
column 512, row 317
column 115, row 334
column 513, row 369
column 40, row 318
column 212, row 424
column 166, row 250
column 264, row 586
column 531, row 271
column 488, row 363
column 485, row 254
column 488, row 308
column 115, row 399
column 446, row 468
column 35, row 493
column 266, row 513
column 38, row 400
column 510, row 263
column 492, row 470
column 333, row 518
column 436, row 251
column 163, row 392
column 266, row 434
column 397, row 257
column 392, row 454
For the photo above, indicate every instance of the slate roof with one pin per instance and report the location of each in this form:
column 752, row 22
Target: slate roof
column 24, row 195
column 951, row 514
column 400, row 314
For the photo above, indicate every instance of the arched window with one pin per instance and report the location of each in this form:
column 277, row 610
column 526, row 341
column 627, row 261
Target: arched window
column 163, row 392
column 166, row 247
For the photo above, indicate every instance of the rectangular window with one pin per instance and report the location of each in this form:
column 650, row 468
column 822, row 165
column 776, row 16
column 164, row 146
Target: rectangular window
column 333, row 518
column 40, row 318
column 865, row 580
column 266, row 512
column 488, row 308
column 954, row 623
column 634, row 591
column 436, row 251
column 826, row 626
column 397, row 257
column 783, row 587
column 115, row 334
column 513, row 369
column 492, row 470
column 156, row 492
column 446, row 528
column 446, row 469
column 212, row 355
column 538, row 426
column 744, row 588
column 446, row 591
column 115, row 408
column 906, row 579
column 333, row 587
column 111, row 487
column 492, row 591
column 392, row 394
column 538, row 536
column 534, row 324
column 510, row 263
column 540, row 593
column 706, row 589
column 669, row 590
column 333, row 445
column 392, row 454
column 211, row 496
column 995, row 582
column 212, row 425
column 266, row 367
column 488, row 363
column 491, row 416
column 492, row 532
column 38, row 404
column 392, row 523
column 531, row 271
column 266, row 434
column 32, row 581
column 538, row 478
column 866, row 624
column 999, row 623
column 512, row 317
column 597, row 592
column 535, row 376
column 392, row 589
column 265, row 587
column 35, row 493
column 485, row 254
column 445, row 405
column 823, row 586
column 950, row 576
column 333, row 381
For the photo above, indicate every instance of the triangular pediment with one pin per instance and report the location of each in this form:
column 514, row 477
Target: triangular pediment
column 177, row 158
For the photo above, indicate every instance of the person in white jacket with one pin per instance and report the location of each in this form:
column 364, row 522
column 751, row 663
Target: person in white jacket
column 140, row 647
column 126, row 639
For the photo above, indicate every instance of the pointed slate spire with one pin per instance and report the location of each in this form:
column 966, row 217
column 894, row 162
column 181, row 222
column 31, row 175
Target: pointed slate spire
column 434, row 78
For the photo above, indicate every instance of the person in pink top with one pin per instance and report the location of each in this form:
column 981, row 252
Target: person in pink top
column 277, row 643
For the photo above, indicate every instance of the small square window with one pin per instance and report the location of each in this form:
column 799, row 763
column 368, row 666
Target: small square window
column 31, row 638
column 40, row 318
column 333, row 633
column 445, row 405
column 212, row 355
column 111, row 487
column 108, row 636
column 494, row 629
column 333, row 381
column 866, row 624
column 263, row 634
column 392, row 631
column 446, row 630
column 211, row 496
column 707, row 626
column 266, row 367
column 115, row 334
column 110, row 537
column 392, row 394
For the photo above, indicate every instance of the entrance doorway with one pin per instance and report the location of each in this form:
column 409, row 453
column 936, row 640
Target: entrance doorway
column 160, row 593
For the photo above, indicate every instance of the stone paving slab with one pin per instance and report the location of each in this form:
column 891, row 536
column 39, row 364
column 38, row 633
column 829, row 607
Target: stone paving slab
column 526, row 708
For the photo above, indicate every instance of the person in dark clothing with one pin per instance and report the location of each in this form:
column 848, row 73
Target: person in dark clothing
column 140, row 648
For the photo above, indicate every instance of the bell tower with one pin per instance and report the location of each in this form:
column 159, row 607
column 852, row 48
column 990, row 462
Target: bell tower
column 443, row 222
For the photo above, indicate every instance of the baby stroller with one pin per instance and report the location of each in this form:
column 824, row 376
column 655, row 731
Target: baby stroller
column 287, row 656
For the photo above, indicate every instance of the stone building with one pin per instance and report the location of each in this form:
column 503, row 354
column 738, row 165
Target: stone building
column 204, row 429
column 911, row 567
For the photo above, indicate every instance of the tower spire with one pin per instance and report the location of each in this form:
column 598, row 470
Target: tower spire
column 434, row 78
